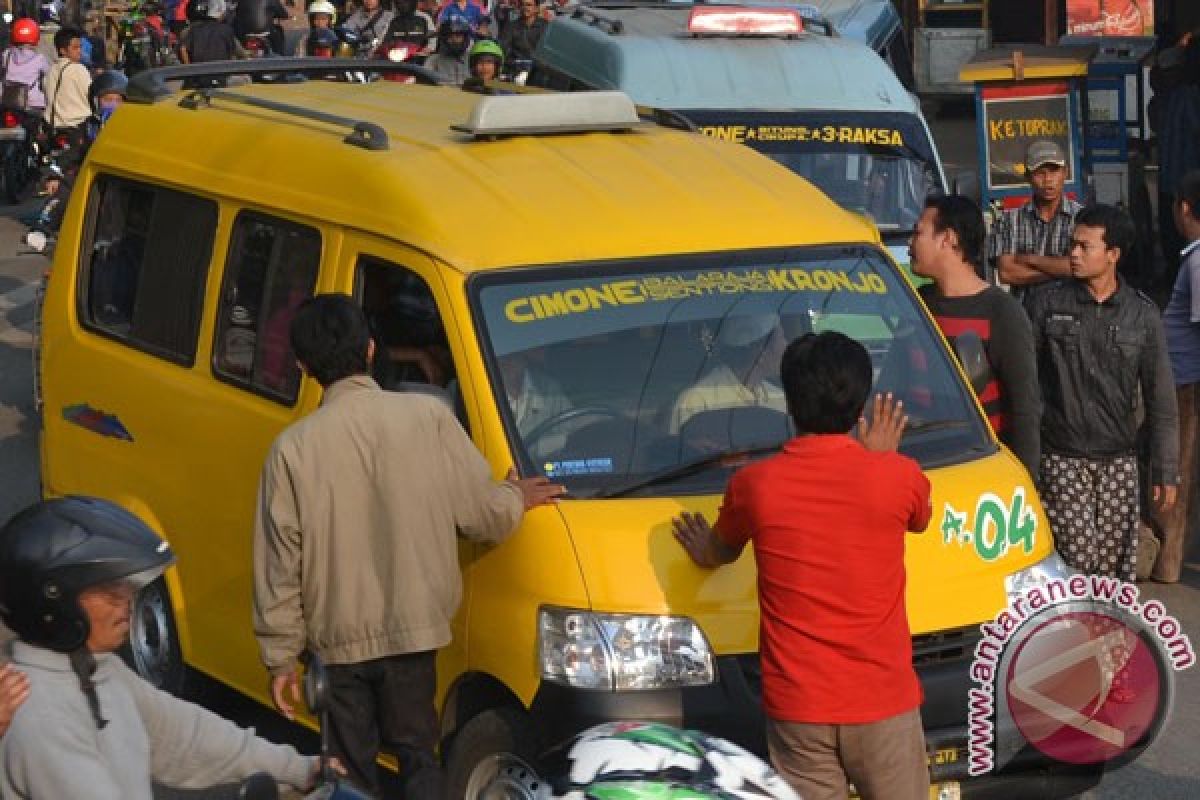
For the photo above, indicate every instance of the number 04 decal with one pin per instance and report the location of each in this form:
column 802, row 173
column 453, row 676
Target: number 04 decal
column 994, row 527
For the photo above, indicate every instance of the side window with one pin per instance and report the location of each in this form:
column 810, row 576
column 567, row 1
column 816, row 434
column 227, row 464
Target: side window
column 412, row 353
column 145, row 264
column 271, row 269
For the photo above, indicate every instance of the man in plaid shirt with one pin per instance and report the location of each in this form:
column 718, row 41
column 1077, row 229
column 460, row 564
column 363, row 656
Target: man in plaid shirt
column 1030, row 245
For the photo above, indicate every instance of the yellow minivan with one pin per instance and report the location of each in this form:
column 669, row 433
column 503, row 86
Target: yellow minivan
column 560, row 271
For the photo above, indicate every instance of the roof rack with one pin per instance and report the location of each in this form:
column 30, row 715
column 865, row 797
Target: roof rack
column 150, row 86
column 367, row 135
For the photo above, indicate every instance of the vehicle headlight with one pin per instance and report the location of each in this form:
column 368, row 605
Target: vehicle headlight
column 622, row 651
column 1036, row 576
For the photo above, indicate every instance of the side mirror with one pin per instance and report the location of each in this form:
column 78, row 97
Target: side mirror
column 316, row 685
column 259, row 786
column 966, row 183
column 969, row 349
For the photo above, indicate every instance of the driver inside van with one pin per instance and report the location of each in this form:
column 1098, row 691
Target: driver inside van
column 747, row 350
column 534, row 397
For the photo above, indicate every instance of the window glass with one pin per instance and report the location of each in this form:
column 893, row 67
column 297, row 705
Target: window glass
column 647, row 374
column 271, row 269
column 412, row 353
column 146, row 264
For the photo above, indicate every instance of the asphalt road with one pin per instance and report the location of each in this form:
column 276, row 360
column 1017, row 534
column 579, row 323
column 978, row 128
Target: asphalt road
column 1168, row 770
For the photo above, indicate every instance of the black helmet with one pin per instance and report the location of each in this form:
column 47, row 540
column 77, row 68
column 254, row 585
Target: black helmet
column 197, row 10
column 107, row 82
column 451, row 27
column 53, row 550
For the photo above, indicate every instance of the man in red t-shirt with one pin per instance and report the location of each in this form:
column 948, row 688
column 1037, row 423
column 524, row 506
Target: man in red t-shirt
column 827, row 519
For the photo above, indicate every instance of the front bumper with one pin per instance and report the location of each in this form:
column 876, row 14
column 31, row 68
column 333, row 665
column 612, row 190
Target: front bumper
column 732, row 709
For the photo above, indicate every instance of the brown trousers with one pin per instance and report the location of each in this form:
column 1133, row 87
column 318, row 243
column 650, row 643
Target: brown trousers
column 885, row 760
column 1174, row 523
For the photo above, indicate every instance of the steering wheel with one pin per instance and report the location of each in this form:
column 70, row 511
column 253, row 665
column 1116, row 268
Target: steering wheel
column 540, row 431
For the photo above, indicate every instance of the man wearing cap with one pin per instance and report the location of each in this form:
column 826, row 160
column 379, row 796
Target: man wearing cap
column 747, row 349
column 1030, row 245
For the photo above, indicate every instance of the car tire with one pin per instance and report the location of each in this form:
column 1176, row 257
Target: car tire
column 495, row 752
column 153, row 650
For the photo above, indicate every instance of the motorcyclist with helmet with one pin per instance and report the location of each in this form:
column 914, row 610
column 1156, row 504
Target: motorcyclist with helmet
column 207, row 38
column 108, row 90
column 450, row 60
column 412, row 26
column 369, row 24
column 252, row 17
column 24, row 64
column 322, row 39
column 69, row 571
column 485, row 59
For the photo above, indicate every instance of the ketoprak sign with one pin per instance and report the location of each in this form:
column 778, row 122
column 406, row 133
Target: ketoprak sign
column 1014, row 117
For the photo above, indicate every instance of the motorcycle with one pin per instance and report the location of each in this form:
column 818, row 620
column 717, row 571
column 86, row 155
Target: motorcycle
column 517, row 70
column 141, row 42
column 398, row 50
column 19, row 153
column 257, row 45
column 316, row 694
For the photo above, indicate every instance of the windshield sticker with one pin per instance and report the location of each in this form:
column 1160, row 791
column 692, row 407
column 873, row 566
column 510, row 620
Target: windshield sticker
column 578, row 466
column 998, row 526
column 660, row 288
column 825, row 134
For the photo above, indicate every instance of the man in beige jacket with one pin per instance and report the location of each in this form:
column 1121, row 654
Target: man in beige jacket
column 355, row 549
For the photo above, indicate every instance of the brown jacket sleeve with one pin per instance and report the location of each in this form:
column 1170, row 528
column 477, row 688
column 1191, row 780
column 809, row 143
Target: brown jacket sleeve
column 485, row 510
column 278, row 607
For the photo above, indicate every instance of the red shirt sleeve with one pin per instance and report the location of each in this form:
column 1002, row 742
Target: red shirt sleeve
column 733, row 524
column 922, row 510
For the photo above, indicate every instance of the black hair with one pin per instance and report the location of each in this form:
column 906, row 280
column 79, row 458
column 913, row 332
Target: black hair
column 1189, row 191
column 826, row 378
column 1119, row 231
column 62, row 39
column 330, row 337
column 961, row 215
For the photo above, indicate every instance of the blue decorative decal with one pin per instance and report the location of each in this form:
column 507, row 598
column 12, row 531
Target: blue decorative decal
column 96, row 421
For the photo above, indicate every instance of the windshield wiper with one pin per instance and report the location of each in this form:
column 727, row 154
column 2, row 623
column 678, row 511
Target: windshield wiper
column 684, row 470
column 934, row 425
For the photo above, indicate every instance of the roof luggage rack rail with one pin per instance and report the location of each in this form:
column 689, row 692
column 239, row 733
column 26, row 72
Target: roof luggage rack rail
column 367, row 135
column 150, row 86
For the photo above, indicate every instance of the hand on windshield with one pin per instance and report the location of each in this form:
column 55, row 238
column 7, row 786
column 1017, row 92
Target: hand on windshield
column 537, row 491
column 888, row 420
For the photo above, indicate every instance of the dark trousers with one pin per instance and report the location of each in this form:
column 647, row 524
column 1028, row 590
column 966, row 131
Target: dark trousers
column 387, row 704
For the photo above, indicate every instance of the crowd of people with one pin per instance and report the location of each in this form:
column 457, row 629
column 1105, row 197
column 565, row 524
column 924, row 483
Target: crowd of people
column 1090, row 386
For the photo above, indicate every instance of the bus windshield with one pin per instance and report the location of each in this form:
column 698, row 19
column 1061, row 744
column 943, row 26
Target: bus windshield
column 882, row 165
column 658, row 376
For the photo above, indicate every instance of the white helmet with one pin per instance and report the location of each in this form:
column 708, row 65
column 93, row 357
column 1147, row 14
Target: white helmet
column 323, row 7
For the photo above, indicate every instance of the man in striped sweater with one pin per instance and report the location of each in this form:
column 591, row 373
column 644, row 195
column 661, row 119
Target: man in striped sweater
column 946, row 247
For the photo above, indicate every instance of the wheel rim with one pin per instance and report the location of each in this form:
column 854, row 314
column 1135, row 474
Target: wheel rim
column 150, row 636
column 503, row 776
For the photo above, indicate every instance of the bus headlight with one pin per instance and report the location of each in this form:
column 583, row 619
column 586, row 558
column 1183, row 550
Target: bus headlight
column 622, row 652
column 1036, row 576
